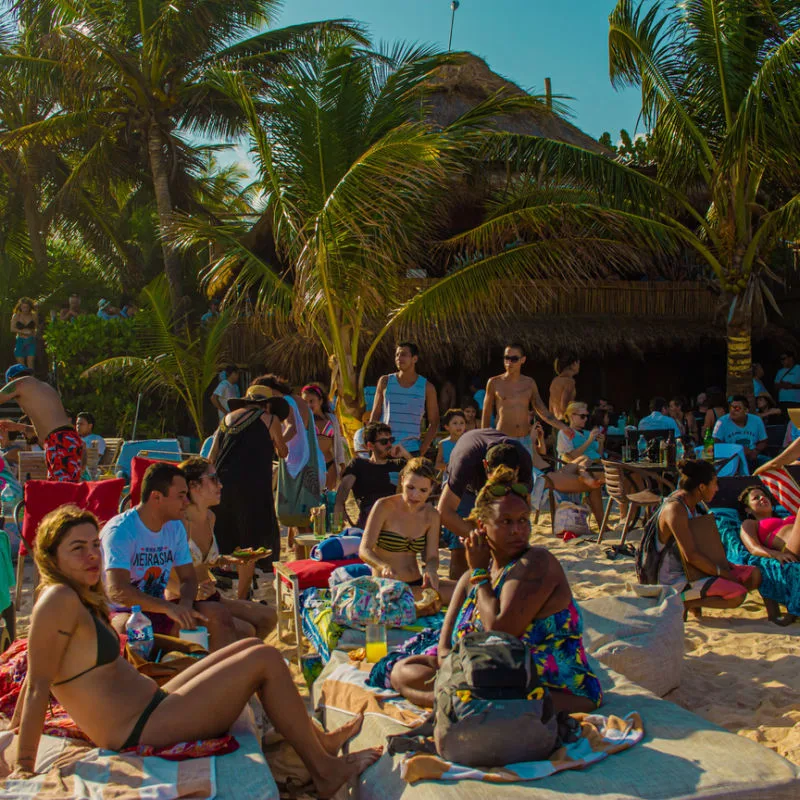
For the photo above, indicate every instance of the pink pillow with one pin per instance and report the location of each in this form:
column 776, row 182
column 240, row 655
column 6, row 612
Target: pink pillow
column 316, row 573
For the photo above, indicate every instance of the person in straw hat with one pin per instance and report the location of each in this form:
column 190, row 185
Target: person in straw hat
column 245, row 444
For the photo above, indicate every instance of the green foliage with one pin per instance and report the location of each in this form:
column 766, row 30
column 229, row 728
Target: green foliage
column 636, row 152
column 74, row 346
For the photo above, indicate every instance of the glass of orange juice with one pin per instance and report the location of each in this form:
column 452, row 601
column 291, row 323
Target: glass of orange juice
column 376, row 642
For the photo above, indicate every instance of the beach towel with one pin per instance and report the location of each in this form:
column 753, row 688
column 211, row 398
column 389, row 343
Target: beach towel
column 73, row 769
column 335, row 548
column 783, row 488
column 600, row 737
column 367, row 599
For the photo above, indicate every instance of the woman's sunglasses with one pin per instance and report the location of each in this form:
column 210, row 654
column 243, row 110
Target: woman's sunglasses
column 512, row 359
column 581, row 416
column 213, row 477
column 503, row 489
column 390, row 440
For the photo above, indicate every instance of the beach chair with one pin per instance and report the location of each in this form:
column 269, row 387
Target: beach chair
column 113, row 446
column 159, row 449
column 729, row 459
column 32, row 466
column 615, row 474
column 93, row 460
column 40, row 497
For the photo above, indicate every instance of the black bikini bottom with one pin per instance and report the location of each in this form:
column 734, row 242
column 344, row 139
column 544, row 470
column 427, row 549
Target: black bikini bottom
column 136, row 733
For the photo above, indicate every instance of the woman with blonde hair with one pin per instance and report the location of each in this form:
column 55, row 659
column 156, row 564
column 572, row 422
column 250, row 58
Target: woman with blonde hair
column 514, row 588
column 74, row 652
column 406, row 526
column 24, row 327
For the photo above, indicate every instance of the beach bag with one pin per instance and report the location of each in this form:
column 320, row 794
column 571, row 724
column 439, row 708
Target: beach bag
column 182, row 655
column 648, row 559
column 297, row 496
column 489, row 708
column 572, row 518
column 368, row 599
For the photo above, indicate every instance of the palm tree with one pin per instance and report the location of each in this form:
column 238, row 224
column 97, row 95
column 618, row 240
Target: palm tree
column 720, row 84
column 148, row 73
column 354, row 180
column 178, row 361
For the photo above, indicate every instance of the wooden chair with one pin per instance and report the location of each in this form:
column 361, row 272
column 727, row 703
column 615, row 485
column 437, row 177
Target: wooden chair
column 113, row 446
column 615, row 474
column 32, row 466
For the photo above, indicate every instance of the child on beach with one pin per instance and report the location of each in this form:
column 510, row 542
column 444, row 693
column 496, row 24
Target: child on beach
column 455, row 423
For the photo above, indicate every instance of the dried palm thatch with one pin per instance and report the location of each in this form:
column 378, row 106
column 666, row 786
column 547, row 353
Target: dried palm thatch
column 459, row 87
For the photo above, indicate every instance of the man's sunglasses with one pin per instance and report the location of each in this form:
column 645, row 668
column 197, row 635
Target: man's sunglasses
column 502, row 489
column 512, row 359
column 390, row 440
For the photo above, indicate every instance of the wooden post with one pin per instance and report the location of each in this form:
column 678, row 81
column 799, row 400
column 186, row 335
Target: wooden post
column 548, row 93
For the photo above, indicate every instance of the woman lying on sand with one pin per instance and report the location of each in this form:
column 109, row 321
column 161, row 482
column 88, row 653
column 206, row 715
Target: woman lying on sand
column 404, row 526
column 74, row 652
column 514, row 588
column 724, row 587
column 765, row 534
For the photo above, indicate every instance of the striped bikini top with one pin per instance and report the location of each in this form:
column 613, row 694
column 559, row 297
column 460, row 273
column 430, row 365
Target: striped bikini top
column 396, row 543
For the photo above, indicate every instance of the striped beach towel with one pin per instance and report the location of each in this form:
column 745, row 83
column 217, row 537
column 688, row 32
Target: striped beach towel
column 783, row 488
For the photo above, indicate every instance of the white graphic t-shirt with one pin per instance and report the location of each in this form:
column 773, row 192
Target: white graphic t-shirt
column 149, row 556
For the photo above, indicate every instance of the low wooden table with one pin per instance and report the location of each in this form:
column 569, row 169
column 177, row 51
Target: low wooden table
column 303, row 543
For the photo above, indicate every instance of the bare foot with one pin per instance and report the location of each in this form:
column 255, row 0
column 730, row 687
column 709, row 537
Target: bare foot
column 334, row 741
column 345, row 768
column 592, row 483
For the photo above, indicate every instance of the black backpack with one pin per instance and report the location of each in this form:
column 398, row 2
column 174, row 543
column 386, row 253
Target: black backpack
column 489, row 707
column 648, row 557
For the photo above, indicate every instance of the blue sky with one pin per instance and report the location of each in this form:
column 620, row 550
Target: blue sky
column 523, row 40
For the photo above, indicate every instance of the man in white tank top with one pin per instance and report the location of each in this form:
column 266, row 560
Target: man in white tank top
column 401, row 400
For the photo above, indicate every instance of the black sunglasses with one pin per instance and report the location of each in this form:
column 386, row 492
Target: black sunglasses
column 512, row 359
column 390, row 440
column 582, row 416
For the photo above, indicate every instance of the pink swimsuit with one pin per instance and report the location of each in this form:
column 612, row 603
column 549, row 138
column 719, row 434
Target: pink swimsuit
column 768, row 529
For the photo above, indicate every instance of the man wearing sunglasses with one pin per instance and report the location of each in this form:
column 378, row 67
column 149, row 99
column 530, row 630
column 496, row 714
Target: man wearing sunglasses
column 375, row 477
column 512, row 395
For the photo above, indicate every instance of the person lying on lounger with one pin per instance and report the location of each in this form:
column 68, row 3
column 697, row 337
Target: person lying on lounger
column 763, row 533
column 724, row 587
column 514, row 588
column 74, row 652
column 404, row 526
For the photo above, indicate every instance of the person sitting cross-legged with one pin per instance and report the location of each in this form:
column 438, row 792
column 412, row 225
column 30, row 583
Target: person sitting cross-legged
column 143, row 545
column 74, row 653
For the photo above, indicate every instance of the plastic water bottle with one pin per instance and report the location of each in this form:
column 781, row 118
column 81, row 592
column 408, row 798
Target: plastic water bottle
column 7, row 498
column 139, row 630
column 641, row 446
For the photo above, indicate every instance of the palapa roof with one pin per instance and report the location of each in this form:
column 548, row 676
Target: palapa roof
column 461, row 86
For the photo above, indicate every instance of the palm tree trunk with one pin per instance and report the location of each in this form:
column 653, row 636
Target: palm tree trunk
column 36, row 227
column 158, row 168
column 740, row 355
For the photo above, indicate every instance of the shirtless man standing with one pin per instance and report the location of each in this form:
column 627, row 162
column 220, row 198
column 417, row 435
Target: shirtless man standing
column 62, row 445
column 562, row 387
column 513, row 394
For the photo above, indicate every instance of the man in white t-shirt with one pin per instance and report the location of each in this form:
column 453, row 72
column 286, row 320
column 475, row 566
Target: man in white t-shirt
column 142, row 546
column 787, row 380
column 227, row 389
column 739, row 427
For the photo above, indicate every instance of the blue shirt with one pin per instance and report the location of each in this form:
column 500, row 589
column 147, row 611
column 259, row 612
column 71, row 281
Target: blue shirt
column 659, row 422
column 790, row 375
column 758, row 388
column 565, row 445
column 753, row 431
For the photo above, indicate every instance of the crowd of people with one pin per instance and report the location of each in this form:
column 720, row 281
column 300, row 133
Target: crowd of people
column 457, row 484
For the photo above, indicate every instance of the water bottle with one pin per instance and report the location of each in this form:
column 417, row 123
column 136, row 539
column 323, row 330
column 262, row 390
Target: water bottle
column 139, row 630
column 641, row 446
column 7, row 498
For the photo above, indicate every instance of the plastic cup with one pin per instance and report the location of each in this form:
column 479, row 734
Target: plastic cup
column 198, row 635
column 376, row 647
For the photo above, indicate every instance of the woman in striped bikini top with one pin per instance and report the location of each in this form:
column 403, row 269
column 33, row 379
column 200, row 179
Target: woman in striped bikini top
column 403, row 527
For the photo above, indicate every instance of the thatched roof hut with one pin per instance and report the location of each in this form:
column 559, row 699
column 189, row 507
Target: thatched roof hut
column 460, row 87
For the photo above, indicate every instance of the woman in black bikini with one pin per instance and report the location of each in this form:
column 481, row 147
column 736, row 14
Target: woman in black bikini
column 404, row 526
column 23, row 326
column 118, row 707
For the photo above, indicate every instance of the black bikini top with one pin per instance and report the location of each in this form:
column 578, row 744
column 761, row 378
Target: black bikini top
column 21, row 326
column 107, row 648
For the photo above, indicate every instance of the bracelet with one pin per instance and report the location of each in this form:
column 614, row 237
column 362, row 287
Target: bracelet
column 479, row 571
column 479, row 576
column 480, row 582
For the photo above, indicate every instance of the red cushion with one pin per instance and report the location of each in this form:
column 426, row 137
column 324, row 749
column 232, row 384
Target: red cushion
column 42, row 497
column 316, row 573
column 139, row 465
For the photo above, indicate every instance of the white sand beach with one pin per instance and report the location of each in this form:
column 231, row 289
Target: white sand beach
column 740, row 672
